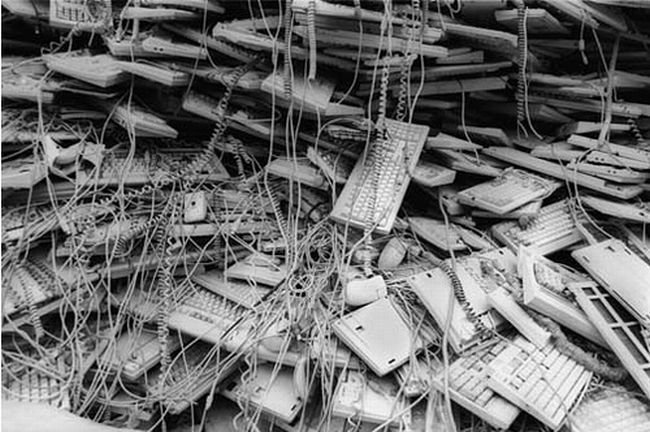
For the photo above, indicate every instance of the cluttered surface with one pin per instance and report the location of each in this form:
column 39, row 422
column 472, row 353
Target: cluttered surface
column 309, row 215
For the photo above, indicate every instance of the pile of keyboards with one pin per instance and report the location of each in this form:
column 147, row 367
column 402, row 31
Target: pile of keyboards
column 344, row 215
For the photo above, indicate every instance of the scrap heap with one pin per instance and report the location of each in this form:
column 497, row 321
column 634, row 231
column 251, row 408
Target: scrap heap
column 408, row 215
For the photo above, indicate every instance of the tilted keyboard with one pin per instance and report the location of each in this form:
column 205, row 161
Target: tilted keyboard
column 469, row 389
column 336, row 167
column 623, row 333
column 36, row 387
column 611, row 410
column 553, row 229
column 135, row 353
column 513, row 189
column 211, row 317
column 27, row 284
column 148, row 167
column 544, row 383
column 375, row 189
column 270, row 392
column 242, row 293
column 193, row 372
column 369, row 399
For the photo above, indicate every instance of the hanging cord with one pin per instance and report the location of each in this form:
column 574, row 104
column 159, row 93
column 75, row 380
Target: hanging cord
column 521, row 81
column 311, row 33
column 459, row 293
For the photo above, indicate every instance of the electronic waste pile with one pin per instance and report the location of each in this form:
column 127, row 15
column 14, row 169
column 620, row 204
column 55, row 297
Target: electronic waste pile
column 309, row 215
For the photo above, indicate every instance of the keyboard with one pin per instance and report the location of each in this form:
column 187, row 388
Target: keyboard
column 29, row 284
column 621, row 272
column 192, row 374
column 22, row 173
column 298, row 170
column 210, row 317
column 16, row 223
column 259, row 268
column 271, row 393
column 157, row 72
column 36, row 387
column 135, row 353
column 134, row 118
column 513, row 189
column 369, row 399
column 375, row 189
column 336, row 167
column 552, row 230
column 611, row 410
column 623, row 333
column 366, row 330
column 107, row 238
column 545, row 289
column 466, row 162
column 242, row 293
column 463, row 331
column 544, row 383
column 468, row 387
column 79, row 14
column 428, row 174
column 101, row 70
column 454, row 238
column 148, row 167
column 637, row 212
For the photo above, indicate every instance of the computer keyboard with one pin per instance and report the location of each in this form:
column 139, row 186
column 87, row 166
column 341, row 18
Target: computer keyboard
column 147, row 167
column 468, row 387
column 18, row 222
column 335, row 166
column 243, row 293
column 135, row 353
column 26, row 285
column 546, row 290
column 22, row 173
column 259, row 268
column 513, row 189
column 79, row 14
column 272, row 393
column 553, row 229
column 375, row 189
column 612, row 409
column 366, row 330
column 544, row 383
column 211, row 317
column 621, row 272
column 298, row 170
column 36, row 387
column 623, row 333
column 101, row 70
column 369, row 399
column 195, row 371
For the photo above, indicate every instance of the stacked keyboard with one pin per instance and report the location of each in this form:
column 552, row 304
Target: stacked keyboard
column 553, row 229
column 375, row 189
column 544, row 383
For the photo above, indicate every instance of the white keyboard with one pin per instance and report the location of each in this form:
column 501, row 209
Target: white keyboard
column 469, row 389
column 191, row 375
column 376, row 187
column 513, row 189
column 209, row 316
column 611, row 410
column 36, row 387
column 544, row 383
column 553, row 229
column 242, row 293
column 272, row 393
column 370, row 399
